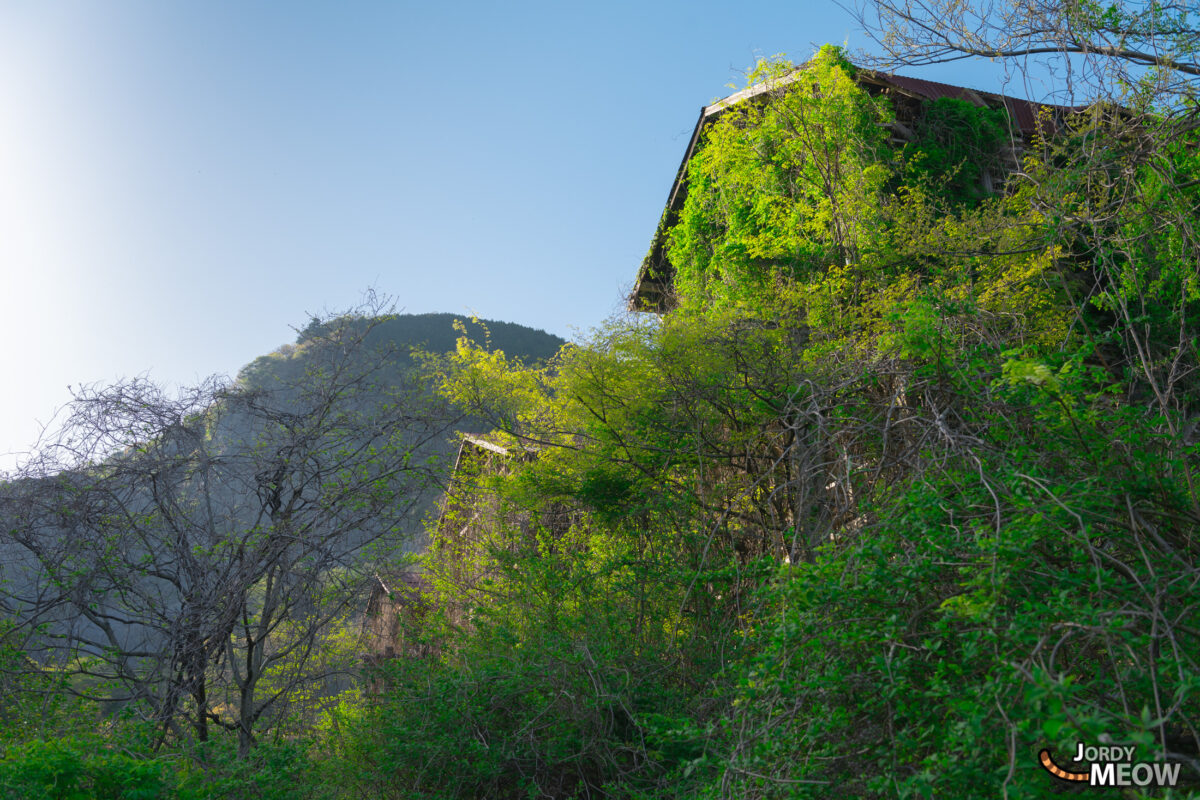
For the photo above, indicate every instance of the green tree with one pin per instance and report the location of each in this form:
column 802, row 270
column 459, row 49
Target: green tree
column 917, row 464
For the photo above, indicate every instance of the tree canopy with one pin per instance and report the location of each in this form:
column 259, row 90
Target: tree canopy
column 900, row 500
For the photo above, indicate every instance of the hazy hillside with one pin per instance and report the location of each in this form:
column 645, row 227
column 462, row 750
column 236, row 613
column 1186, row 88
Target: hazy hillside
column 404, row 334
column 395, row 341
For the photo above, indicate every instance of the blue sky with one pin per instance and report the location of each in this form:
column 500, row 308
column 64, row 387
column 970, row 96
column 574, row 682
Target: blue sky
column 182, row 182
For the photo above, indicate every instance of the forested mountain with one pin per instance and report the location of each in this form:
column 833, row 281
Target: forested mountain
column 897, row 497
column 404, row 334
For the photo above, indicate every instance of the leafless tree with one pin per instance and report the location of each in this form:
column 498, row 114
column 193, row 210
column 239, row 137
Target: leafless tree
column 188, row 555
column 1091, row 49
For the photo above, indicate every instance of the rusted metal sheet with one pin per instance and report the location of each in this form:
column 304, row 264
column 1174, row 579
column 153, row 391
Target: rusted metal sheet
column 1023, row 113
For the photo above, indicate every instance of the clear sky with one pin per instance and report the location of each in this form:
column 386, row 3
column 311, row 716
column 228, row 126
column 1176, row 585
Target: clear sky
column 181, row 182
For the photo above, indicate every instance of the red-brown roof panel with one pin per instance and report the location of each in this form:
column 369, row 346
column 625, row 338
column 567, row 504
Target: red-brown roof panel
column 1022, row 112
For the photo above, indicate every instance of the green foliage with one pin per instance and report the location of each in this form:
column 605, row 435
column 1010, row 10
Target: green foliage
column 979, row 622
column 777, row 192
column 551, row 674
column 117, row 762
column 524, row 716
column 904, row 481
column 904, row 492
column 79, row 769
column 797, row 206
column 957, row 148
column 274, row 770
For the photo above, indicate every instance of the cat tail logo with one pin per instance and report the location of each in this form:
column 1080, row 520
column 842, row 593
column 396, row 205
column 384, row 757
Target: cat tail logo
column 1111, row 766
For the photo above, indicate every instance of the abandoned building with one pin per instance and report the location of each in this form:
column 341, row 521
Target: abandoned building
column 395, row 606
column 473, row 520
column 653, row 288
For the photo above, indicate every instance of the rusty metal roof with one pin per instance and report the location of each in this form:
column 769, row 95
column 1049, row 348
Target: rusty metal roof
column 1024, row 113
